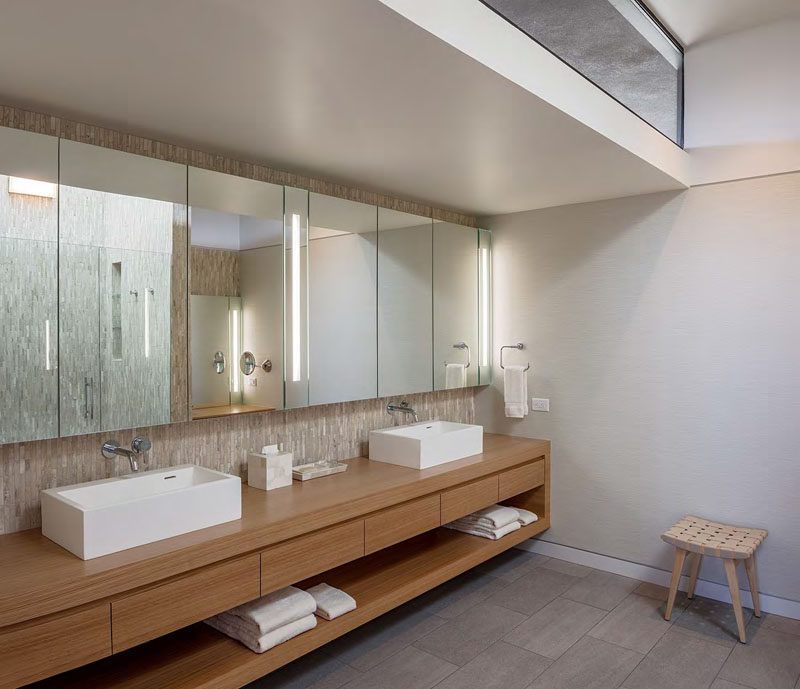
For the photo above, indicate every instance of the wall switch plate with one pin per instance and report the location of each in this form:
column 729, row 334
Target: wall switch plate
column 253, row 382
column 539, row 404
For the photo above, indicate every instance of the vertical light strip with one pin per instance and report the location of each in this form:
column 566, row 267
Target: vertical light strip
column 484, row 306
column 235, row 350
column 47, row 344
column 147, row 323
column 296, row 361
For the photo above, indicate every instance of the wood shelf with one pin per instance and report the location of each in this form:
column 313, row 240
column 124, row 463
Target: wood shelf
column 198, row 657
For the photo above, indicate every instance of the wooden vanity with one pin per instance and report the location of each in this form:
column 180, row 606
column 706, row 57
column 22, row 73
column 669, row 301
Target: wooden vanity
column 133, row 619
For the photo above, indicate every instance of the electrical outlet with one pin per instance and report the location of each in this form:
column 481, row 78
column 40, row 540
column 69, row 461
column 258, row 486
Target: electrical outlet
column 253, row 382
column 539, row 404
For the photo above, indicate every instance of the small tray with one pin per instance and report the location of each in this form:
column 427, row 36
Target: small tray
column 305, row 472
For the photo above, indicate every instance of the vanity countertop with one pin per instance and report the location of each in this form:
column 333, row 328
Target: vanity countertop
column 38, row 577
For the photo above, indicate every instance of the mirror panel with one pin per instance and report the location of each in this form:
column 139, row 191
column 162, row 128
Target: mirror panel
column 343, row 266
column 455, row 306
column 405, row 303
column 29, row 294
column 236, row 287
column 122, row 290
column 295, row 290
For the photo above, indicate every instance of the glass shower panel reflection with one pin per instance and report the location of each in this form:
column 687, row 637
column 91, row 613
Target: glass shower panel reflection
column 295, row 292
column 28, row 297
column 455, row 306
column 122, row 310
column 405, row 303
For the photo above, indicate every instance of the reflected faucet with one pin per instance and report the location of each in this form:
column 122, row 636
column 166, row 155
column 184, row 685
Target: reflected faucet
column 403, row 407
column 140, row 445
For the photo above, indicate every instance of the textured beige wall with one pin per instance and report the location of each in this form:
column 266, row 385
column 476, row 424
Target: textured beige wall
column 213, row 272
column 665, row 329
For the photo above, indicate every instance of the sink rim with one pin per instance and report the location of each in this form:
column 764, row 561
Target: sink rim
column 394, row 430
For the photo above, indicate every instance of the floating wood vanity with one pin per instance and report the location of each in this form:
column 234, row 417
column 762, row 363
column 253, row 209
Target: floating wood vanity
column 132, row 619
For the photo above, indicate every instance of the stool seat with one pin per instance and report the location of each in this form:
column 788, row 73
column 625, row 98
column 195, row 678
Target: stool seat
column 697, row 535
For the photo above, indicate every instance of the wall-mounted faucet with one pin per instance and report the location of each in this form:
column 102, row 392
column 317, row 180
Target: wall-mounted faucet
column 403, row 407
column 140, row 445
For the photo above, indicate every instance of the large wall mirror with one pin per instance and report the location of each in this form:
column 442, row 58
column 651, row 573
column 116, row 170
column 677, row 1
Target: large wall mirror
column 236, row 294
column 139, row 292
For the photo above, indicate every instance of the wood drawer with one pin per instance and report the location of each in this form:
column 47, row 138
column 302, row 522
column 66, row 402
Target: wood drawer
column 305, row 556
column 465, row 499
column 516, row 481
column 396, row 524
column 163, row 608
column 60, row 642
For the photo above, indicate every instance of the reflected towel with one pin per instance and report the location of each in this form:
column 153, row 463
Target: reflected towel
column 515, row 384
column 331, row 602
column 267, row 641
column 493, row 534
column 274, row 610
column 455, row 376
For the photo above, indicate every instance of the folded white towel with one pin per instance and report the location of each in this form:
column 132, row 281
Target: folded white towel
column 526, row 517
column 267, row 641
column 493, row 534
column 455, row 376
column 275, row 610
column 515, row 384
column 494, row 516
column 331, row 602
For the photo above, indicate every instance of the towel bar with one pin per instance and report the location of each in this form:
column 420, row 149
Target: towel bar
column 463, row 345
column 519, row 346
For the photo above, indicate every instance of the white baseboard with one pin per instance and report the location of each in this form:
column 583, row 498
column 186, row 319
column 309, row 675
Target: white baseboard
column 654, row 575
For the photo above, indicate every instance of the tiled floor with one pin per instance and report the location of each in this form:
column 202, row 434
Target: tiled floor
column 523, row 621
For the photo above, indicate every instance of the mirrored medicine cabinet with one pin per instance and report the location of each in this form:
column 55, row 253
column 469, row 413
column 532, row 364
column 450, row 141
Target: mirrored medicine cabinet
column 139, row 292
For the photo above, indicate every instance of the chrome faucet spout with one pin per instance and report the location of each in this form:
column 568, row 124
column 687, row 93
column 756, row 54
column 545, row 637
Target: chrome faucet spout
column 404, row 407
column 112, row 449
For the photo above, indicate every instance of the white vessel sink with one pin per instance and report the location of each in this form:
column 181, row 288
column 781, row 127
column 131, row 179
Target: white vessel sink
column 425, row 444
column 102, row 517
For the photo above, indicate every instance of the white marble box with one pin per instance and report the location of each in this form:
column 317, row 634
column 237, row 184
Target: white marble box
column 266, row 472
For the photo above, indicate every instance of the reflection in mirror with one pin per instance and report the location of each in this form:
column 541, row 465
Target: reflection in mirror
column 236, row 286
column 485, row 307
column 405, row 323
column 122, row 310
column 29, row 293
column 455, row 306
column 342, row 300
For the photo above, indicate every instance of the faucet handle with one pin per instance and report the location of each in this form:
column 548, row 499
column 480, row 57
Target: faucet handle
column 110, row 448
column 141, row 443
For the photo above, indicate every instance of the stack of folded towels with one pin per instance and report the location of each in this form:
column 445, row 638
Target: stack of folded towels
column 281, row 615
column 493, row 522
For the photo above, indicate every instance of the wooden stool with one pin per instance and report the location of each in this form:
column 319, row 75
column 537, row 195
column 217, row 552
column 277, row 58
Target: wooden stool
column 696, row 537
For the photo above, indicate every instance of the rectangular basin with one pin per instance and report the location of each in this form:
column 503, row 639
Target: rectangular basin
column 425, row 444
column 102, row 517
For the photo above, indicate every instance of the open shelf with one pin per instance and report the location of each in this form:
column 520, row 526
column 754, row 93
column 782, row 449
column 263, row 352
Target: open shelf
column 199, row 657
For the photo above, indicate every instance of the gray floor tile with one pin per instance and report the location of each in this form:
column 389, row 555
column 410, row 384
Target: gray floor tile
column 601, row 589
column 636, row 623
column 778, row 623
column 725, row 684
column 711, row 620
column 531, row 592
column 501, row 666
column 678, row 661
column 511, row 564
column 365, row 647
column 661, row 593
column 589, row 664
column 769, row 660
column 408, row 669
column 458, row 595
column 317, row 670
column 574, row 570
column 461, row 639
column 556, row 627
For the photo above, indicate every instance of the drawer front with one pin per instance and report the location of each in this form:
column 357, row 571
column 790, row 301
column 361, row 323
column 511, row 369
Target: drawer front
column 399, row 523
column 163, row 608
column 516, row 481
column 33, row 651
column 305, row 556
column 461, row 500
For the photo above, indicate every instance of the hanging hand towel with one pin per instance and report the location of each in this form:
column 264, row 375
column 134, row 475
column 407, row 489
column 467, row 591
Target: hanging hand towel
column 455, row 376
column 331, row 602
column 515, row 383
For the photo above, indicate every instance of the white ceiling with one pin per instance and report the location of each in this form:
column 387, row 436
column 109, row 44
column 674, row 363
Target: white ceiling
column 347, row 91
column 693, row 21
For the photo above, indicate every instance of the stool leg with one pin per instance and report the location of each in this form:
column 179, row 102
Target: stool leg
column 733, row 585
column 677, row 568
column 694, row 568
column 752, row 577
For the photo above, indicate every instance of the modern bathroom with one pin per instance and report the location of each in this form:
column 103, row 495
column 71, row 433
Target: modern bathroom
column 389, row 344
